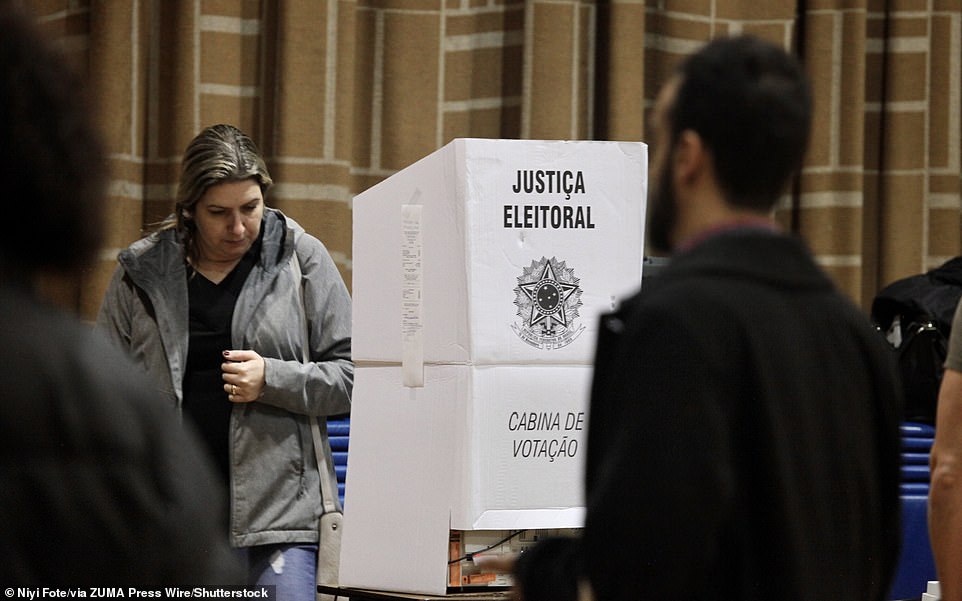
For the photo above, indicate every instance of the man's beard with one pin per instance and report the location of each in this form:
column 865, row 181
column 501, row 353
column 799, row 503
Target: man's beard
column 663, row 213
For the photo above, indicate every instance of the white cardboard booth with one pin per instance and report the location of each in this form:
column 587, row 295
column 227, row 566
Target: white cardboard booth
column 479, row 274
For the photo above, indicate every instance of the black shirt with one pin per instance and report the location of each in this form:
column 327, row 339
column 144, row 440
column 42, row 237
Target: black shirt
column 211, row 310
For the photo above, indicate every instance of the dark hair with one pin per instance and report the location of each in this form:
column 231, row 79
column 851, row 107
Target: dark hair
column 751, row 104
column 51, row 157
column 220, row 153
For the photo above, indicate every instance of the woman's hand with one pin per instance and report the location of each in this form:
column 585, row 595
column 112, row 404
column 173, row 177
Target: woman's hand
column 243, row 373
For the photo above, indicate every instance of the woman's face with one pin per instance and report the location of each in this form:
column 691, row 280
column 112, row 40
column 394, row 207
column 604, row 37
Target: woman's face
column 228, row 219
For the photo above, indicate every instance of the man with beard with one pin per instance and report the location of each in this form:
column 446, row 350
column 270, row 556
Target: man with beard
column 743, row 434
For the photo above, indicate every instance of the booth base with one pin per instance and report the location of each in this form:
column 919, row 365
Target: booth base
column 358, row 594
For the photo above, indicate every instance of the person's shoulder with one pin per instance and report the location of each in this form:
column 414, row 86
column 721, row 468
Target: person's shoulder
column 284, row 230
column 673, row 289
column 311, row 251
column 26, row 320
column 163, row 235
column 149, row 248
column 278, row 223
column 65, row 373
column 663, row 304
column 76, row 411
column 682, row 304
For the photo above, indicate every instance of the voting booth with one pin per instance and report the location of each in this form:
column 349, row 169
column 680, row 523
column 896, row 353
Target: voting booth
column 479, row 275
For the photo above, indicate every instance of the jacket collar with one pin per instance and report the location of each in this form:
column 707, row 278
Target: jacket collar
column 160, row 256
column 753, row 253
column 749, row 254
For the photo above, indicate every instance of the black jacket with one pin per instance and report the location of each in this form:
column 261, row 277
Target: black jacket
column 100, row 485
column 743, row 436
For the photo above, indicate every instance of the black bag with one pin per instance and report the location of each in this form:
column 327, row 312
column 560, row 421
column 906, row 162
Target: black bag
column 916, row 314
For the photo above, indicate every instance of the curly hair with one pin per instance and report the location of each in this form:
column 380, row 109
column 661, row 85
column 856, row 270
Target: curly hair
column 51, row 155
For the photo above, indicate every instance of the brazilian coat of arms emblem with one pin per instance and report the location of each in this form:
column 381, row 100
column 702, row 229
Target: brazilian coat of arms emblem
column 548, row 297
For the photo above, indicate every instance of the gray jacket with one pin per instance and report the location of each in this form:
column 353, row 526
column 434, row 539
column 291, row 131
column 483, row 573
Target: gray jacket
column 274, row 487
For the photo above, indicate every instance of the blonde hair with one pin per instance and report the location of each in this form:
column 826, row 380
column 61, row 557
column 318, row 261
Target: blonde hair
column 220, row 153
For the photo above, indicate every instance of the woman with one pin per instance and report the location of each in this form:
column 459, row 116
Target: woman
column 216, row 306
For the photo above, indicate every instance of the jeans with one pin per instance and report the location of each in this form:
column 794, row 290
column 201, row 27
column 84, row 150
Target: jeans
column 291, row 568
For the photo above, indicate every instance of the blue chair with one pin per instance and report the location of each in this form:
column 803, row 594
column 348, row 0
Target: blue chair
column 916, row 565
column 338, row 433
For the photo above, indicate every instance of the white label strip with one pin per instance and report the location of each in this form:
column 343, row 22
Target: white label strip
column 412, row 343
